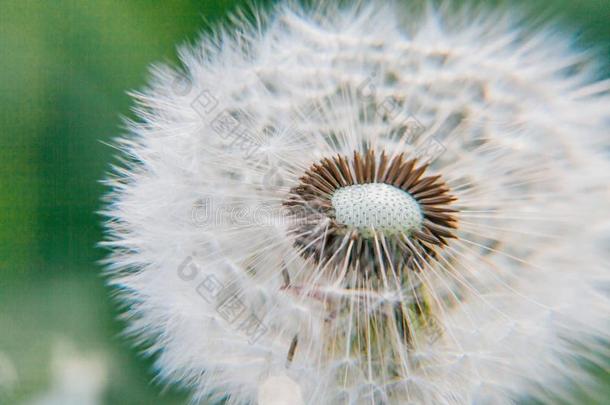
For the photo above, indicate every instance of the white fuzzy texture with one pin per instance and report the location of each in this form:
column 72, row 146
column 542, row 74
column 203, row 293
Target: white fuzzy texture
column 522, row 294
column 280, row 390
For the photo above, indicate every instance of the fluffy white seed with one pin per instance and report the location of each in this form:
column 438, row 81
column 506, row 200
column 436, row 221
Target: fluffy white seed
column 513, row 118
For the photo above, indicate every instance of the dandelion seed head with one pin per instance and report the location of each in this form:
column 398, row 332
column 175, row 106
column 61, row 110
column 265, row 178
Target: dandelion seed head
column 376, row 205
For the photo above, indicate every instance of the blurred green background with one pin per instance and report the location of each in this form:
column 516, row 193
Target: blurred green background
column 65, row 67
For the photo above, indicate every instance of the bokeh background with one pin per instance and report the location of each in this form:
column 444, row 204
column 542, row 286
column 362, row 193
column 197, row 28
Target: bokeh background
column 65, row 67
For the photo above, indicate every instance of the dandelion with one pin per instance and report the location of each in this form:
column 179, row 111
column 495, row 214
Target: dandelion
column 368, row 204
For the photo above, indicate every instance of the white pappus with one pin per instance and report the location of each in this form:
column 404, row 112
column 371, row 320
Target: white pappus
column 368, row 204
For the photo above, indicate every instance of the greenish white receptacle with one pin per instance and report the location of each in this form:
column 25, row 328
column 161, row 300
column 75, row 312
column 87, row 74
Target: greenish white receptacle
column 378, row 206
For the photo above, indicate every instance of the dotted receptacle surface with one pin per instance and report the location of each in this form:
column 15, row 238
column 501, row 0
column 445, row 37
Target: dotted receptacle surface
column 383, row 207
